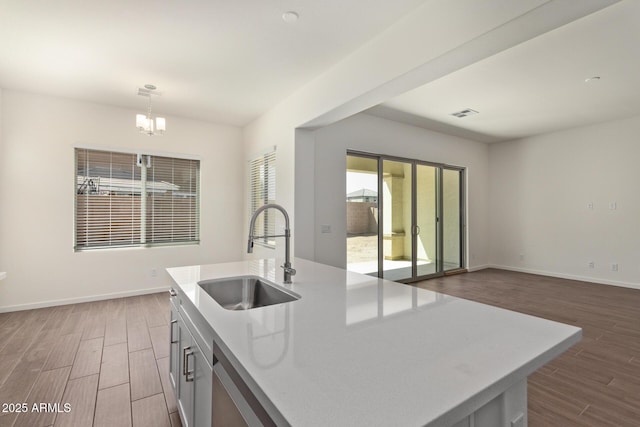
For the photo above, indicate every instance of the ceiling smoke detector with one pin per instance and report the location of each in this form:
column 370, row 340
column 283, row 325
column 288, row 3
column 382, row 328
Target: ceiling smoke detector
column 465, row 113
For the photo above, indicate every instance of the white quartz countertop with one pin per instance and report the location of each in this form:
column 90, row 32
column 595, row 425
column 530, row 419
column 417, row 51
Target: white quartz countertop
column 360, row 351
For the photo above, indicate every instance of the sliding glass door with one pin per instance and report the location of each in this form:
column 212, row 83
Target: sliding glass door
column 397, row 220
column 411, row 228
column 426, row 230
column 452, row 219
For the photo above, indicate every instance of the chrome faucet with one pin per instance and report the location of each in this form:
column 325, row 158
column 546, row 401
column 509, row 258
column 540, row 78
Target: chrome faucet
column 288, row 271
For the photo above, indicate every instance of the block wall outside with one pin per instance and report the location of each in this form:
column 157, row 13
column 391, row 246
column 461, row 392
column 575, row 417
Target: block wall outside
column 362, row 218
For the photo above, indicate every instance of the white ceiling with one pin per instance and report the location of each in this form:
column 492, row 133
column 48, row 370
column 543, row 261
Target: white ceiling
column 537, row 86
column 229, row 61
column 220, row 60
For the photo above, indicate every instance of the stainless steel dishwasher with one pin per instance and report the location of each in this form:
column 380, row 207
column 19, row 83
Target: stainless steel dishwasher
column 233, row 404
column 224, row 410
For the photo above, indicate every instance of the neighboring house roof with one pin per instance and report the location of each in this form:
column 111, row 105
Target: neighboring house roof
column 363, row 192
column 121, row 185
column 127, row 181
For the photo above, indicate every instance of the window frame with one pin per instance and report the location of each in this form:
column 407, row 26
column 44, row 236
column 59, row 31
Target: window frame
column 267, row 225
column 149, row 243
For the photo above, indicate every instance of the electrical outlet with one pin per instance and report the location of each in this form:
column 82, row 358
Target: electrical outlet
column 592, row 264
column 521, row 257
column 325, row 228
column 613, row 206
column 154, row 272
column 590, row 205
column 614, row 267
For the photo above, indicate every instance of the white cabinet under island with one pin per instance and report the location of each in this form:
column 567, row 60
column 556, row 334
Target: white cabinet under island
column 353, row 350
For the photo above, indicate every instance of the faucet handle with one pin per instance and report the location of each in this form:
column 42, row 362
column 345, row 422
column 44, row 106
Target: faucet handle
column 291, row 271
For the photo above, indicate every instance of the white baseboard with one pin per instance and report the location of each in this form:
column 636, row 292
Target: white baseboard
column 479, row 267
column 567, row 276
column 53, row 303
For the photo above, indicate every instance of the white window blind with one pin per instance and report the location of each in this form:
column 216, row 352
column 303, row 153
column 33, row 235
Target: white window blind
column 126, row 199
column 262, row 190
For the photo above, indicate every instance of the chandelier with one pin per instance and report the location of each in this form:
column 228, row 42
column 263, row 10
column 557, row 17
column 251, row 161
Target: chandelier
column 146, row 123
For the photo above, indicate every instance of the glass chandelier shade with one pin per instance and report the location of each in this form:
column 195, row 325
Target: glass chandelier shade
column 149, row 125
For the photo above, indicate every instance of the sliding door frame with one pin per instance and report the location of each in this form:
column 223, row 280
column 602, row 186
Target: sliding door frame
column 440, row 167
column 462, row 211
column 414, row 222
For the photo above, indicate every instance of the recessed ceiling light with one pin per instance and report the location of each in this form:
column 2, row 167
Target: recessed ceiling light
column 290, row 17
column 593, row 79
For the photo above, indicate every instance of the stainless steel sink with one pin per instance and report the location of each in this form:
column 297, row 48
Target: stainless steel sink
column 246, row 292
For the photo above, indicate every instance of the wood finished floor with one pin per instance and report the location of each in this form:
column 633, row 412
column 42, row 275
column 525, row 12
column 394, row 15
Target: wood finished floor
column 109, row 360
column 597, row 381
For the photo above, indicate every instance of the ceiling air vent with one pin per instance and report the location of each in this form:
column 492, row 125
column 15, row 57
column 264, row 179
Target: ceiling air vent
column 464, row 113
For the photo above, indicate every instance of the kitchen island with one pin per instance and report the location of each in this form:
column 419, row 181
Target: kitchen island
column 357, row 350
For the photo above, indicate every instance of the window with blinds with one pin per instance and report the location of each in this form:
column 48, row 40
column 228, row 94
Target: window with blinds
column 262, row 190
column 125, row 199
